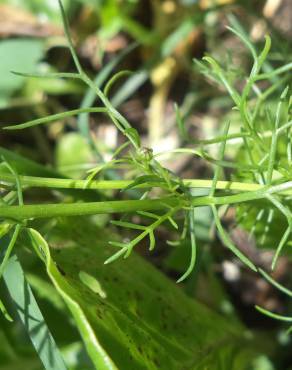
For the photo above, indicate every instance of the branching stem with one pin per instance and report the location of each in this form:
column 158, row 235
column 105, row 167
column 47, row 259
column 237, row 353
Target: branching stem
column 25, row 212
column 56, row 183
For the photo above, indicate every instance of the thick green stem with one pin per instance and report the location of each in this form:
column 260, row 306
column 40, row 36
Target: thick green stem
column 55, row 183
column 20, row 213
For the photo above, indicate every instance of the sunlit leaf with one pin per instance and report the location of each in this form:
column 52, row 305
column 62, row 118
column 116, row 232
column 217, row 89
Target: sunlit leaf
column 138, row 321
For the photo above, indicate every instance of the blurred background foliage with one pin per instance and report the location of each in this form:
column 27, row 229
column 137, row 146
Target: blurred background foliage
column 157, row 40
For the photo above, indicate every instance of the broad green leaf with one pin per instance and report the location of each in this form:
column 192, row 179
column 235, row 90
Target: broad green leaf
column 25, row 166
column 99, row 357
column 72, row 155
column 19, row 55
column 45, row 290
column 141, row 320
column 7, row 352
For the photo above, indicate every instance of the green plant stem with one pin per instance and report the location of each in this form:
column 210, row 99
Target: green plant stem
column 55, row 117
column 56, row 183
column 121, row 123
column 82, row 209
column 20, row 213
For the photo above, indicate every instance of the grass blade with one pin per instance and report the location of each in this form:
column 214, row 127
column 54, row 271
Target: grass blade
column 273, row 315
column 193, row 247
column 227, row 241
column 55, row 117
column 31, row 316
column 4, row 312
column 221, row 155
column 129, row 225
column 69, row 39
column 272, row 157
column 277, row 285
column 9, row 249
column 220, row 74
column 47, row 75
column 115, row 78
column 90, row 96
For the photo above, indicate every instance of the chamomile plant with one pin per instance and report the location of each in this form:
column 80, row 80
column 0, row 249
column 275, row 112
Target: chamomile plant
column 261, row 183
